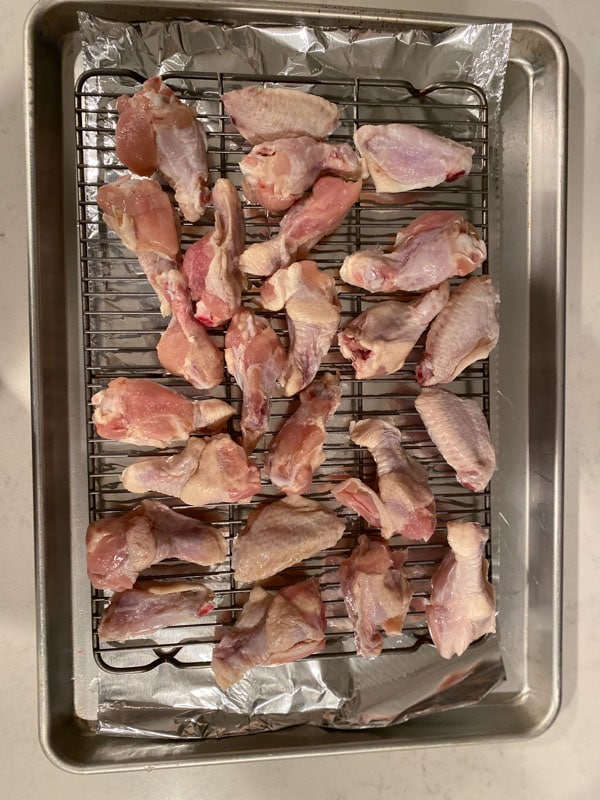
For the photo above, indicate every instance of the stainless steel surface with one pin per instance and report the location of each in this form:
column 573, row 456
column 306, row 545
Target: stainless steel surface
column 529, row 374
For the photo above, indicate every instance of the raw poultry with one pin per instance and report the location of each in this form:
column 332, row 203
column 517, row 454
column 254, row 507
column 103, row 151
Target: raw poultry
column 119, row 547
column 273, row 628
column 156, row 131
column 256, row 358
column 463, row 602
column 312, row 311
column 303, row 226
column 282, row 534
column 142, row 412
column 297, row 452
column 434, row 247
column 378, row 341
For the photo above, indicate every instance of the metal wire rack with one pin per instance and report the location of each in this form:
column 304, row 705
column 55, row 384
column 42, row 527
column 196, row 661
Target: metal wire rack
column 121, row 325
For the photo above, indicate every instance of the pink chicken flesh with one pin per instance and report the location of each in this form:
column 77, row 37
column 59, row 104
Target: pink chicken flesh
column 432, row 248
column 276, row 174
column 122, row 546
column 205, row 472
column 142, row 412
column 379, row 340
column 256, row 358
column 303, row 226
column 211, row 264
column 156, row 131
column 264, row 115
column 273, row 628
column 402, row 157
column 463, row 602
column 376, row 592
column 151, row 606
column 297, row 450
column 312, row 310
column 465, row 331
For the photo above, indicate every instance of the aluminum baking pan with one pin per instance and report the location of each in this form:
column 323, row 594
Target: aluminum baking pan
column 530, row 372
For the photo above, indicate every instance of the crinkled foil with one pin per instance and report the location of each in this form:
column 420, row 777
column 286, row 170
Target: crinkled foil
column 339, row 691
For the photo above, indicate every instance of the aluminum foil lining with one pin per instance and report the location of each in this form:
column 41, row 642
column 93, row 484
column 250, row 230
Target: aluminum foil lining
column 339, row 691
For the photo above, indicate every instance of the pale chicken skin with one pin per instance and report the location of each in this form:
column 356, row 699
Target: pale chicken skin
column 264, row 115
column 121, row 546
column 376, row 592
column 465, row 331
column 256, row 358
column 378, row 341
column 458, row 428
column 156, row 131
column 402, row 157
column 276, row 174
column 273, row 628
column 141, row 214
column 434, row 247
column 303, row 226
column 141, row 412
column 282, row 534
column 211, row 264
column 462, row 607
column 206, row 472
column 297, row 451
column 312, row 310
column 151, row 606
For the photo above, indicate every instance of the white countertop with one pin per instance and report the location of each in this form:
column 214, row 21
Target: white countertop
column 563, row 763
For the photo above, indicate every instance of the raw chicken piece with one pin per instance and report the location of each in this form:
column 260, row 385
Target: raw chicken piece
column 122, row 546
column 151, row 606
column 264, row 115
column 402, row 157
column 464, row 331
column 140, row 213
column 463, row 602
column 355, row 494
column 185, row 348
column 379, row 340
column 276, row 174
column 312, row 310
column 306, row 223
column 205, row 472
column 157, row 131
column 256, row 358
column 211, row 264
column 433, row 247
column 281, row 534
column 273, row 628
column 142, row 412
column 459, row 430
column 401, row 483
column 297, row 450
column 376, row 592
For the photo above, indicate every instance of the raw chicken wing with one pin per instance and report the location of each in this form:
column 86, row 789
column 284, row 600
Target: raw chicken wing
column 312, row 310
column 205, row 472
column 276, row 174
column 463, row 602
column 376, row 592
column 273, row 628
column 305, row 224
column 122, row 546
column 459, row 430
column 432, row 248
column 297, row 450
column 157, row 131
column 281, row 534
column 264, row 115
column 256, row 358
column 464, row 331
column 379, row 340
